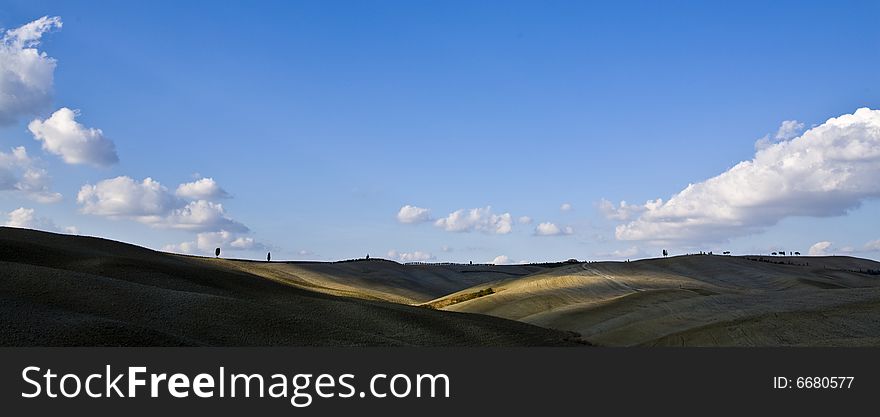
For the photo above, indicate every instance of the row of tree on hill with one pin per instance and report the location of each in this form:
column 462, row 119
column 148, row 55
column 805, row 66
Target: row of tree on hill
column 778, row 253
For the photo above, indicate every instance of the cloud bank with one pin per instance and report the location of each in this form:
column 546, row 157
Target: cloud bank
column 827, row 171
column 26, row 74
column 151, row 203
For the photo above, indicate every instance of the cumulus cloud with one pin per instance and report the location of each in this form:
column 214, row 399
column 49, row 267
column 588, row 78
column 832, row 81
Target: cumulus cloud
column 622, row 211
column 551, row 229
column 62, row 135
column 447, row 248
column 524, row 220
column 19, row 172
column 827, row 171
column 501, row 260
column 188, row 248
column 26, row 74
column 479, row 219
column 26, row 218
column 225, row 238
column 565, row 207
column 873, row 246
column 788, row 129
column 199, row 216
column 820, row 248
column 201, row 189
column 206, row 242
column 417, row 256
column 150, row 202
column 147, row 201
column 412, row 214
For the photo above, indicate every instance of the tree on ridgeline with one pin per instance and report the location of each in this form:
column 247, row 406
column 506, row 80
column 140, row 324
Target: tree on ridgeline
column 217, row 253
column 665, row 254
column 268, row 256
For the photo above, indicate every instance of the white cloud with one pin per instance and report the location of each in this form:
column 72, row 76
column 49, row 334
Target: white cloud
column 551, row 229
column 417, row 256
column 26, row 218
column 623, row 211
column 18, row 172
column 524, row 220
column 480, row 219
column 224, row 238
column 873, row 246
column 150, row 202
column 201, row 189
column 827, row 171
column 62, row 135
column 26, row 74
column 789, row 129
column 184, row 247
column 565, row 207
column 201, row 215
column 122, row 197
column 413, row 214
column 446, row 248
column 206, row 242
column 820, row 248
column 501, row 260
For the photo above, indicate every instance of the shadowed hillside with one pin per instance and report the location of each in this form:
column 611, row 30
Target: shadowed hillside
column 378, row 279
column 695, row 300
column 66, row 290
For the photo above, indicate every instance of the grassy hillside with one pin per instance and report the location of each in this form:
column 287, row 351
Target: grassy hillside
column 696, row 300
column 66, row 290
column 378, row 279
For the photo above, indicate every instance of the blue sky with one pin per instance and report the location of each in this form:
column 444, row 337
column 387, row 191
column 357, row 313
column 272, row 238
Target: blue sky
column 321, row 120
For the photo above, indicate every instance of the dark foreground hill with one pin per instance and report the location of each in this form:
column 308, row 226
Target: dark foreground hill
column 66, row 290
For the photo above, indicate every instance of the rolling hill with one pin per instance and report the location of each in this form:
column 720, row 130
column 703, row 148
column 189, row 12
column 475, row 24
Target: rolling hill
column 68, row 290
column 701, row 300
column 61, row 290
column 377, row 279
